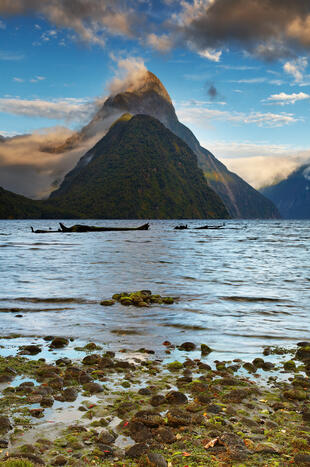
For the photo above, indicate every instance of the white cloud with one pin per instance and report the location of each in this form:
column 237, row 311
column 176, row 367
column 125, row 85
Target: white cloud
column 282, row 98
column 161, row 43
column 2, row 24
column 18, row 80
column 260, row 164
column 211, row 54
column 296, row 68
column 37, row 79
column 10, row 56
column 68, row 109
column 249, row 80
column 202, row 116
column 129, row 75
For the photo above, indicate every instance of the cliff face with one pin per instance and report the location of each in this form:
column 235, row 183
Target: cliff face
column 139, row 170
column 292, row 196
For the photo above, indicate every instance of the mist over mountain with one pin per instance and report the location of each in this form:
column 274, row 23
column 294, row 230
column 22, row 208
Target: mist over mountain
column 292, row 195
column 148, row 96
column 139, row 170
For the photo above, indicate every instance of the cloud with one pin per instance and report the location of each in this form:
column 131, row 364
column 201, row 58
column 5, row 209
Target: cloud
column 267, row 28
column 160, row 43
column 282, row 98
column 68, row 109
column 211, row 54
column 203, row 116
column 296, row 68
column 260, row 164
column 37, row 79
column 10, row 56
column 129, row 75
column 91, row 20
column 2, row 24
column 18, row 80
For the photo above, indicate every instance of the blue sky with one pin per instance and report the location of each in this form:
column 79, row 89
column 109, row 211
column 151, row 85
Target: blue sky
column 241, row 83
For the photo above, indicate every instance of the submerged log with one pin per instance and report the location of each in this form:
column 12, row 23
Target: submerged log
column 92, row 228
column 211, row 227
column 181, row 227
column 44, row 231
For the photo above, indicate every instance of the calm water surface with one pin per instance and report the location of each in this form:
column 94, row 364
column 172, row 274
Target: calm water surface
column 239, row 288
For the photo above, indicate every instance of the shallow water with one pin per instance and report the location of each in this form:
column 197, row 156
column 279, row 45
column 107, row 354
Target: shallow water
column 240, row 288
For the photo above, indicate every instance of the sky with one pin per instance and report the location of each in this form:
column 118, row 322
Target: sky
column 238, row 72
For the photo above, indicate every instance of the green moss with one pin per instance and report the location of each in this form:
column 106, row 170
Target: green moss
column 174, row 366
column 16, row 463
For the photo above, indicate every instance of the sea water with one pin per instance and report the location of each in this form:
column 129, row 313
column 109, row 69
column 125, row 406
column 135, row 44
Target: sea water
column 238, row 288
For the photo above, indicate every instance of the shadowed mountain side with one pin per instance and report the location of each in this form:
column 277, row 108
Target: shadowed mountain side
column 151, row 98
column 292, row 196
column 139, row 170
column 13, row 206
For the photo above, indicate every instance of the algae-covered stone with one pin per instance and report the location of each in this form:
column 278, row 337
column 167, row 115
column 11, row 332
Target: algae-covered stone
column 126, row 301
column 205, row 349
column 290, row 365
column 70, row 394
column 59, row 342
column 295, row 394
column 250, row 367
column 107, row 302
column 174, row 366
column 187, row 346
column 178, row 418
column 92, row 359
column 30, row 349
column 258, row 362
column 93, row 388
column 136, row 451
column 5, row 424
column 176, row 397
column 156, row 460
column 157, row 399
column 168, row 300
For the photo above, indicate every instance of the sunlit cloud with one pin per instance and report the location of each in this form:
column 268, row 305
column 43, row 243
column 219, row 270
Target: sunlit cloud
column 202, row 116
column 260, row 164
column 68, row 109
column 296, row 68
column 283, row 99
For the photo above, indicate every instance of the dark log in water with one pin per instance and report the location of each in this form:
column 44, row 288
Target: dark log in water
column 44, row 231
column 181, row 227
column 91, row 228
column 210, row 227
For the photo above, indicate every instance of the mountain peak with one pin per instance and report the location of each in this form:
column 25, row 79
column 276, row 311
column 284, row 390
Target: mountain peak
column 149, row 83
column 146, row 84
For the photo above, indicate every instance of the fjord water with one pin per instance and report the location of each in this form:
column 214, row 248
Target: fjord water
column 239, row 288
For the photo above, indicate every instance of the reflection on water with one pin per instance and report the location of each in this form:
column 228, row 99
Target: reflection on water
column 239, row 288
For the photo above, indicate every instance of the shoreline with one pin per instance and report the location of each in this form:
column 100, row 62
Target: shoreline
column 122, row 408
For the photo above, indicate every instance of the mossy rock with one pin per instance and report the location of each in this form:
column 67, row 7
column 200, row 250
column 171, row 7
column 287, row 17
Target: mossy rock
column 205, row 349
column 173, row 366
column 107, row 302
column 168, row 300
column 290, row 365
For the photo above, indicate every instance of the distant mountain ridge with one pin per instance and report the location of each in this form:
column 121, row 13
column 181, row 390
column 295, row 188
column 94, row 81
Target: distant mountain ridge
column 292, row 195
column 151, row 98
column 13, row 206
column 139, row 170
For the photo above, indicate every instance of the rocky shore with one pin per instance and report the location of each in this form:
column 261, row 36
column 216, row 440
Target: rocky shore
column 134, row 409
